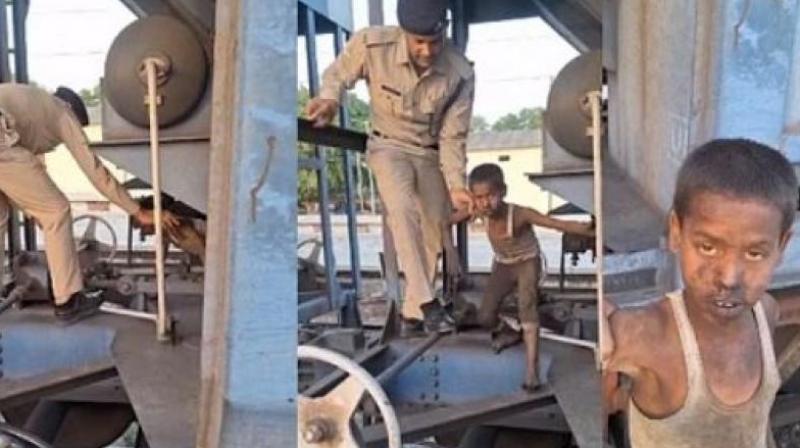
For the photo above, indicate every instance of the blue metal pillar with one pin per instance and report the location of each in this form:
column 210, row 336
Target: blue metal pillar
column 5, row 62
column 20, row 15
column 349, row 177
column 249, row 364
column 757, row 74
column 460, row 38
column 310, row 33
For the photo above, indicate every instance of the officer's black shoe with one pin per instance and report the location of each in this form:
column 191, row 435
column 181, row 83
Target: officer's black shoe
column 79, row 306
column 437, row 320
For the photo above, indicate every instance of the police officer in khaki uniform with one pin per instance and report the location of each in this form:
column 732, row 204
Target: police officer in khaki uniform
column 33, row 122
column 421, row 91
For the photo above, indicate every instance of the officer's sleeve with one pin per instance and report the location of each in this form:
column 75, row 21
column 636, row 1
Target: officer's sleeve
column 349, row 67
column 75, row 140
column 453, row 136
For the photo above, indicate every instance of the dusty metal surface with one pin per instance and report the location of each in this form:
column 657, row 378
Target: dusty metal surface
column 576, row 382
column 444, row 390
column 423, row 424
column 199, row 14
column 578, row 22
column 24, row 390
column 160, row 380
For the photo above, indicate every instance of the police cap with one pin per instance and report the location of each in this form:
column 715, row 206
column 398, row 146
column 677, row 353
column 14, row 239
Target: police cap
column 422, row 17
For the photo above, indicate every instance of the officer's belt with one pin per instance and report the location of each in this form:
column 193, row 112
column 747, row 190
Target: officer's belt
column 434, row 147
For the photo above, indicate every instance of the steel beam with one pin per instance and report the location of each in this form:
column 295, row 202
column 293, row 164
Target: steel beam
column 5, row 65
column 16, row 392
column 249, row 366
column 461, row 39
column 350, row 180
column 199, row 15
column 20, row 13
column 323, row 185
column 331, row 136
column 578, row 25
column 454, row 418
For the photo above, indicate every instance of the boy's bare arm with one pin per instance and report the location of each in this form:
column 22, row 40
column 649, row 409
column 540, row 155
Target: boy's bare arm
column 615, row 360
column 535, row 218
column 628, row 339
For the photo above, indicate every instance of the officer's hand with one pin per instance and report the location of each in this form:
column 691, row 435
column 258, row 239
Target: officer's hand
column 462, row 199
column 321, row 111
column 588, row 229
column 147, row 218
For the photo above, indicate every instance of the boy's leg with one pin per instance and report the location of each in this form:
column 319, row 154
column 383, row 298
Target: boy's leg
column 25, row 182
column 501, row 282
column 527, row 273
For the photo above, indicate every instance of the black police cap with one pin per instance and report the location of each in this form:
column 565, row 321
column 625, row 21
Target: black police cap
column 75, row 103
column 423, row 17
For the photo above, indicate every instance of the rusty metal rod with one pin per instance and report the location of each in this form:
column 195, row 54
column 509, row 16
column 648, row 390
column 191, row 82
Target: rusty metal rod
column 162, row 329
column 595, row 99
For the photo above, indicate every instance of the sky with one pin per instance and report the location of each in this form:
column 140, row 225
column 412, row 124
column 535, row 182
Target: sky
column 515, row 61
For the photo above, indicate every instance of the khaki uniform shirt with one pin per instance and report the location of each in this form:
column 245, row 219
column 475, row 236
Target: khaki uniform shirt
column 38, row 121
column 414, row 112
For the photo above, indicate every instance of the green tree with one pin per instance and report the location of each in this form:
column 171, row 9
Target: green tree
column 527, row 118
column 479, row 124
column 91, row 97
column 307, row 184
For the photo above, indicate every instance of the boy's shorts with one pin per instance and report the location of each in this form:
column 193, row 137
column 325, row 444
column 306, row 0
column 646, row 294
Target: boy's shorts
column 525, row 276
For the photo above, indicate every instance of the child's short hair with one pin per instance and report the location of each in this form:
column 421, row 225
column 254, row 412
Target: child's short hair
column 487, row 173
column 741, row 168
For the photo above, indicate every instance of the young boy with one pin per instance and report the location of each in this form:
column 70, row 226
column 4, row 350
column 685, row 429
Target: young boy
column 516, row 258
column 700, row 360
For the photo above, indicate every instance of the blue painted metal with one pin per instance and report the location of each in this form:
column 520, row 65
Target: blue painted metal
column 457, row 370
column 249, row 381
column 759, row 73
column 349, row 179
column 321, row 155
column 5, row 62
column 20, row 13
column 337, row 12
column 460, row 33
column 37, row 349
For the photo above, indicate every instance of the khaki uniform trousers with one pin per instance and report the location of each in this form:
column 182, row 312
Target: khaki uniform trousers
column 24, row 182
column 417, row 206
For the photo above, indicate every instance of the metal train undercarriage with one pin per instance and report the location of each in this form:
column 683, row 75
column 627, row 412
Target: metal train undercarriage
column 110, row 371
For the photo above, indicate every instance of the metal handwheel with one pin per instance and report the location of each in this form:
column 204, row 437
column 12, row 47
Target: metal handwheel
column 325, row 421
column 89, row 236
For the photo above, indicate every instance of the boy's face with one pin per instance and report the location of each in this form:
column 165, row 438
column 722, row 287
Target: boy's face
column 728, row 248
column 487, row 198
